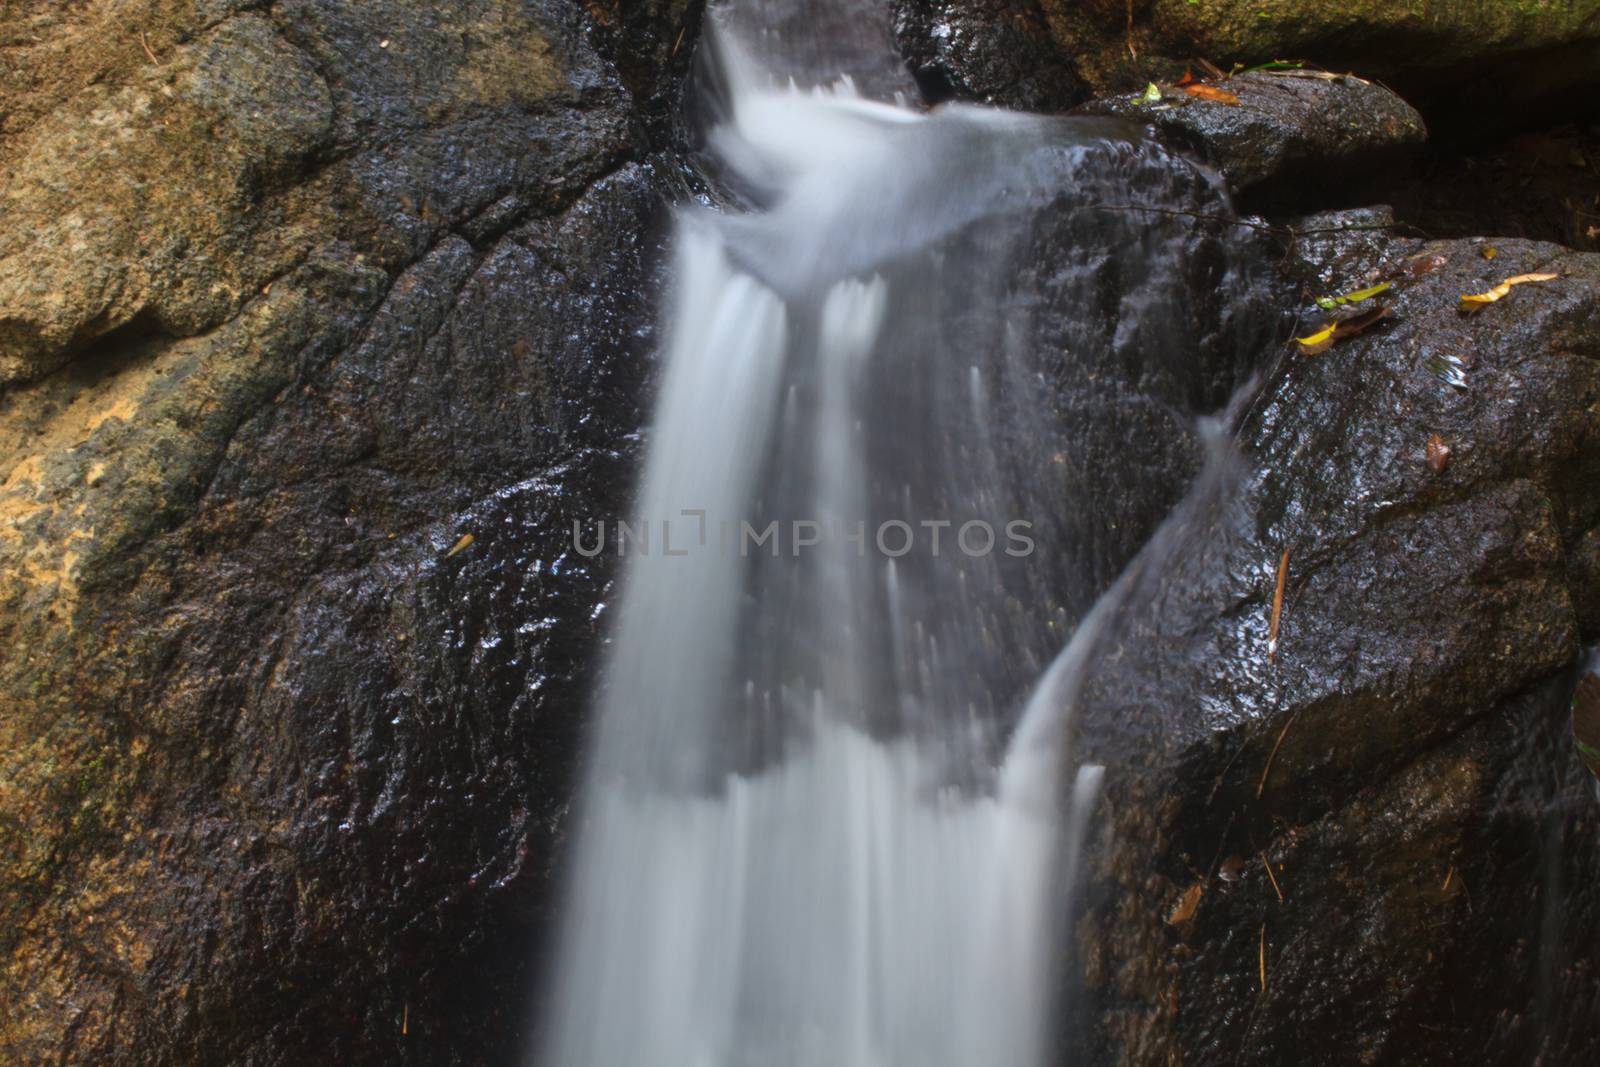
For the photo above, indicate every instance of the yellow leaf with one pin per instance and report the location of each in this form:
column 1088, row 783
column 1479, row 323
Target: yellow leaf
column 1324, row 338
column 1475, row 301
column 1313, row 343
column 465, row 542
column 1328, row 303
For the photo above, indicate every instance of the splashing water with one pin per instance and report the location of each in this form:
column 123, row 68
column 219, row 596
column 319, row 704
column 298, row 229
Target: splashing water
column 825, row 825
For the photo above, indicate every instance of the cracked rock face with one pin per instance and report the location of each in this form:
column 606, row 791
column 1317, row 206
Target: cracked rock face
column 1401, row 754
column 293, row 297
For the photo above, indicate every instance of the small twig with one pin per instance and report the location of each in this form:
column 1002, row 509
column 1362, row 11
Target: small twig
column 1224, row 773
column 147, row 49
column 1448, row 875
column 1274, row 878
column 1132, row 51
column 1265, row 771
column 675, row 45
column 1263, row 957
column 1277, row 606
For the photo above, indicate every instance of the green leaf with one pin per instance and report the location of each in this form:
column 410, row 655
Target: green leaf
column 1328, row 303
column 1276, row 64
column 1152, row 94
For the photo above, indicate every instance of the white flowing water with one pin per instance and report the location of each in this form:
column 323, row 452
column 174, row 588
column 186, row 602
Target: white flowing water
column 825, row 825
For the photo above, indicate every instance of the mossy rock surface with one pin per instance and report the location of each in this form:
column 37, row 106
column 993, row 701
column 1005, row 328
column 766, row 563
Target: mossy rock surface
column 1488, row 59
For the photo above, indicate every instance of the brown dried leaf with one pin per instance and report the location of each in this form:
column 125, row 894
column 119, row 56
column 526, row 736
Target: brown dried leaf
column 1324, row 338
column 1212, row 93
column 1417, row 266
column 1438, row 454
column 1185, row 909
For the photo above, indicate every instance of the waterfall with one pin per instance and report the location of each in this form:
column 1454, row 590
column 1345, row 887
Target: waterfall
column 830, row 817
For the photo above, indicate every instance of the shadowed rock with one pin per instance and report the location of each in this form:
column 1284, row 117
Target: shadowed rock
column 1302, row 135
column 1403, row 757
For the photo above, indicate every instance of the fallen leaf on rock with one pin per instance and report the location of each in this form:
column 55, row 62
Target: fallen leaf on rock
column 1276, row 66
column 1475, row 301
column 1185, row 909
column 1489, row 252
column 1212, row 93
column 1438, row 454
column 1328, row 303
column 1324, row 338
column 1187, row 79
column 1152, row 94
column 461, row 545
column 1417, row 266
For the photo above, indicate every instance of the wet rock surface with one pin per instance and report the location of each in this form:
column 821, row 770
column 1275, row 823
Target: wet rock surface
column 294, row 299
column 1400, row 754
column 1305, row 135
column 1482, row 64
column 997, row 53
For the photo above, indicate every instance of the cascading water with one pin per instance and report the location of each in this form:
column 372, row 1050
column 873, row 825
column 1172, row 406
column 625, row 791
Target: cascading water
column 825, row 825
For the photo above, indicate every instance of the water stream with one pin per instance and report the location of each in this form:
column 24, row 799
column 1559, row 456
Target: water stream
column 831, row 814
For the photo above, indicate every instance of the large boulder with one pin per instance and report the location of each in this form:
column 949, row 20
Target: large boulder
column 1304, row 135
column 293, row 298
column 1428, row 43
column 1366, row 838
column 1469, row 66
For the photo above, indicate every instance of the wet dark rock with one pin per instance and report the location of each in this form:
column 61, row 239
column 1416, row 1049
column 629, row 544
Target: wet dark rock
column 286, row 310
column 652, row 44
column 1475, row 67
column 1303, row 135
column 815, row 42
column 1402, row 754
column 299, row 298
column 1131, row 383
column 997, row 53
